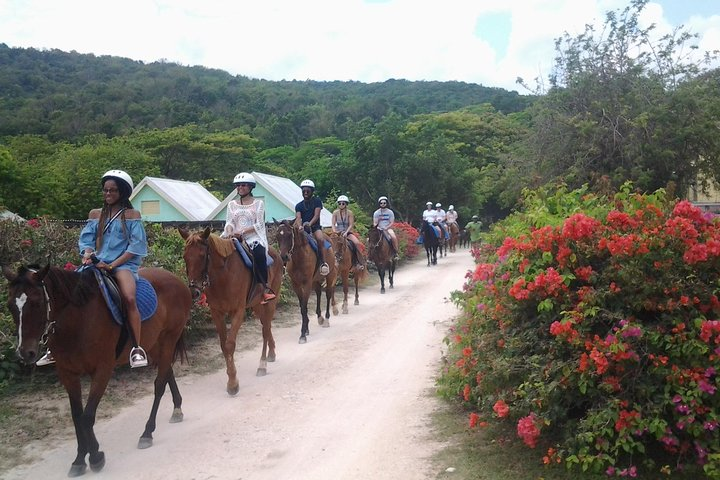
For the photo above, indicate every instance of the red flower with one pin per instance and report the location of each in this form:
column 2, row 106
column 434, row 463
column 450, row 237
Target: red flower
column 33, row 223
column 474, row 417
column 501, row 409
column 70, row 267
column 527, row 430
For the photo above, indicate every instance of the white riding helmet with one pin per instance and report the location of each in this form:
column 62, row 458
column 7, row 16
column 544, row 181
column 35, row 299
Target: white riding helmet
column 428, row 203
column 244, row 177
column 438, row 205
column 307, row 183
column 119, row 175
column 451, row 207
column 343, row 198
column 383, row 198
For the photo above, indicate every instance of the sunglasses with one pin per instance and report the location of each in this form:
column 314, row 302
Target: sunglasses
column 383, row 203
column 238, row 185
column 110, row 190
column 342, row 203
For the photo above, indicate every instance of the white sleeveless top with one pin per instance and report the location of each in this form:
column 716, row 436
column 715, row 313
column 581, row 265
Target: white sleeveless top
column 240, row 217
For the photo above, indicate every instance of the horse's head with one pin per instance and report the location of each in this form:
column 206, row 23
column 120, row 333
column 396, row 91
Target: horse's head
column 197, row 260
column 339, row 244
column 285, row 235
column 29, row 305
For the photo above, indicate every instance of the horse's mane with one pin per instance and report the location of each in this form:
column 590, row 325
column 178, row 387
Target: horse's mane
column 77, row 287
column 222, row 246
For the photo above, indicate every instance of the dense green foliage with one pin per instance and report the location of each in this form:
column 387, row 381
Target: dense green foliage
column 591, row 323
column 67, row 96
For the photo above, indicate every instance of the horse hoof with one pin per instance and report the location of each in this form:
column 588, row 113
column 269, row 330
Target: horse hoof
column 97, row 464
column 144, row 443
column 232, row 391
column 271, row 358
column 345, row 310
column 303, row 339
column 321, row 320
column 177, row 416
column 382, row 290
column 326, row 324
column 261, row 372
column 77, row 470
column 357, row 302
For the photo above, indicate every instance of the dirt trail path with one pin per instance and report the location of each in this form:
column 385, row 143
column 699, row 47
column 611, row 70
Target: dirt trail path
column 352, row 403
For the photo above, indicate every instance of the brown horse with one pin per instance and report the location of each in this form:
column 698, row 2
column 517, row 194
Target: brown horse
column 301, row 265
column 380, row 253
column 214, row 267
column 67, row 309
column 344, row 258
column 454, row 235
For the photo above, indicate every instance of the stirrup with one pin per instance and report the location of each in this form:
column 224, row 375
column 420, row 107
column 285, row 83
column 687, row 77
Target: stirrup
column 324, row 269
column 138, row 357
column 46, row 359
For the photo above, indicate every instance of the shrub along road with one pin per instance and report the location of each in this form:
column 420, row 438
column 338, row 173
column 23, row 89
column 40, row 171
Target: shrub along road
column 352, row 403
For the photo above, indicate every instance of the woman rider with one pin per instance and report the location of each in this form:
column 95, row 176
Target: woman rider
column 343, row 221
column 245, row 219
column 114, row 240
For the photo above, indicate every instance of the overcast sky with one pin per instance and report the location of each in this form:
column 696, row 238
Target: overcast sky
column 490, row 42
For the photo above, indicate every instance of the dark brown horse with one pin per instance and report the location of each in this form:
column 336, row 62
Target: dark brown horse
column 430, row 241
column 380, row 253
column 301, row 266
column 346, row 267
column 67, row 309
column 454, row 235
column 215, row 268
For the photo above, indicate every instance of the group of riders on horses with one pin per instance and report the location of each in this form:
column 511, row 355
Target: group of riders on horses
column 114, row 239
column 441, row 220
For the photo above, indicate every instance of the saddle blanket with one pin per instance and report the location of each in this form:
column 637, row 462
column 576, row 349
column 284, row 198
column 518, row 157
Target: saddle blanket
column 145, row 296
column 313, row 242
column 246, row 257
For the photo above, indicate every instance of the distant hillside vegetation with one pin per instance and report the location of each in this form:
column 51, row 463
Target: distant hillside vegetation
column 67, row 96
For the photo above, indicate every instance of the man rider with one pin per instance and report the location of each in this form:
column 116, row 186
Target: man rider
column 383, row 218
column 307, row 216
column 440, row 219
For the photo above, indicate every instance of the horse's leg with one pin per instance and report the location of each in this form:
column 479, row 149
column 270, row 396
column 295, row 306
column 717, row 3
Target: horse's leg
column 98, row 384
column 391, row 273
column 330, row 300
column 381, row 272
column 74, row 390
column 346, row 286
column 265, row 314
column 161, row 380
column 218, row 319
column 318, row 302
column 357, row 296
column 305, row 327
column 177, row 415
column 235, row 323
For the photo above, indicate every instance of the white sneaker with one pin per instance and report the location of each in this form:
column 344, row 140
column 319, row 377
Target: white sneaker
column 46, row 359
column 138, row 358
column 324, row 269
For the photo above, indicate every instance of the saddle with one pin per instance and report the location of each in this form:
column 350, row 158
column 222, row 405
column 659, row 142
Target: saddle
column 313, row 243
column 247, row 256
column 145, row 296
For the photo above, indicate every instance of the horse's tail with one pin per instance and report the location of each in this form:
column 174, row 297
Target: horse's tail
column 180, row 349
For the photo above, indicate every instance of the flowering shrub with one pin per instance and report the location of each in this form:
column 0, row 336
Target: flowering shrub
column 407, row 234
column 593, row 326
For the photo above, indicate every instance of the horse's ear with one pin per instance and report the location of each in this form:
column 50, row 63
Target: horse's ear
column 206, row 233
column 183, row 233
column 41, row 274
column 8, row 272
column 277, row 224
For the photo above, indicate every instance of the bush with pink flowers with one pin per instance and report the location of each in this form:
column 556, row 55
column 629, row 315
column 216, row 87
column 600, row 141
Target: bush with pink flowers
column 592, row 326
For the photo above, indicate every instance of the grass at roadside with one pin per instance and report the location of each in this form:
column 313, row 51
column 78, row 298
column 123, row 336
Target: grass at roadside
column 477, row 454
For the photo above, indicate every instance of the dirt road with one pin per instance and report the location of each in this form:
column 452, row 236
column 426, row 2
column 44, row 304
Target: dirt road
column 352, row 403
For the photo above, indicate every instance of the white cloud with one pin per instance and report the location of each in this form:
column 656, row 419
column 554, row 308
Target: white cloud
column 323, row 39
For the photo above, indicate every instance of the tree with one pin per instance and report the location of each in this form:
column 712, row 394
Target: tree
column 617, row 107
